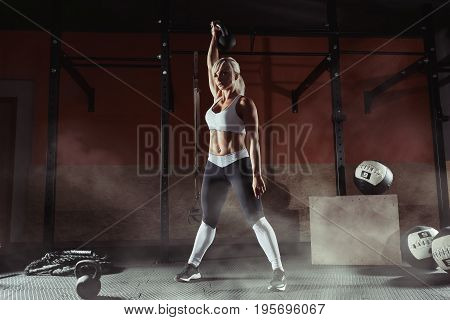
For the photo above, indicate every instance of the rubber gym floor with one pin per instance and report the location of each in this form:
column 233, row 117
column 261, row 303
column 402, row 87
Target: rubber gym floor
column 244, row 276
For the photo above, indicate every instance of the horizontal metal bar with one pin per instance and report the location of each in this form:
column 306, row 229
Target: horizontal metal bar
column 384, row 53
column 115, row 65
column 310, row 32
column 314, row 31
column 259, row 53
column 310, row 53
column 155, row 59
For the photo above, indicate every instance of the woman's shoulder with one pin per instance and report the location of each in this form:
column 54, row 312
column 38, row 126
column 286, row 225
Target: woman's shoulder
column 245, row 101
column 245, row 107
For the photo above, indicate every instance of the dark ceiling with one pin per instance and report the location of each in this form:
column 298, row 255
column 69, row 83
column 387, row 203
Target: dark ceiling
column 244, row 16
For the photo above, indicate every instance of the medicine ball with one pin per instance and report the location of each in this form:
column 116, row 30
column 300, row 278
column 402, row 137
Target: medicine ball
column 372, row 177
column 416, row 247
column 441, row 249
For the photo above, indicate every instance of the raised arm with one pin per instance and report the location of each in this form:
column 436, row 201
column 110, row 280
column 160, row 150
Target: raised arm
column 213, row 56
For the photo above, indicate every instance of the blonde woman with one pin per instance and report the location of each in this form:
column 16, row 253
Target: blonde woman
column 231, row 119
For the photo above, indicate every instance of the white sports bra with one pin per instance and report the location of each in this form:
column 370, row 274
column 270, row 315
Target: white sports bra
column 226, row 120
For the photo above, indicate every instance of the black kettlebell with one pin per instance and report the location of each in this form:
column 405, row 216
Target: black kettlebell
column 88, row 273
column 226, row 40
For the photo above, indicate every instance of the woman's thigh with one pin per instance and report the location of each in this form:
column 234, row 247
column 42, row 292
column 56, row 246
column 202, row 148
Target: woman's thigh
column 240, row 175
column 213, row 193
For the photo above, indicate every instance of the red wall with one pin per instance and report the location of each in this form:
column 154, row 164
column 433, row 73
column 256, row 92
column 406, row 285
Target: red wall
column 398, row 129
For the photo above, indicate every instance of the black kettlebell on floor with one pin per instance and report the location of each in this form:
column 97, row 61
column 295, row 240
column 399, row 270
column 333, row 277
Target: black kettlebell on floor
column 88, row 273
column 226, row 40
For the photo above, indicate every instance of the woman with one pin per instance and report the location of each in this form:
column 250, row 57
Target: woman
column 231, row 119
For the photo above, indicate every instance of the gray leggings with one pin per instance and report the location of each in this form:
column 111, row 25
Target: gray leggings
column 216, row 182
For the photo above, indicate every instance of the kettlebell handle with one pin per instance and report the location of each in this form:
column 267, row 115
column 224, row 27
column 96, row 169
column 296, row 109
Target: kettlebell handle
column 88, row 264
column 219, row 24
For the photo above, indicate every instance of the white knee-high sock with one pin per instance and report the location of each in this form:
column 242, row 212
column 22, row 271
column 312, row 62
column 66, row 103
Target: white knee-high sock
column 268, row 241
column 204, row 238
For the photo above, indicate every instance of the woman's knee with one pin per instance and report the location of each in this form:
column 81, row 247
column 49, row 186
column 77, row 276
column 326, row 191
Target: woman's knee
column 252, row 219
column 210, row 222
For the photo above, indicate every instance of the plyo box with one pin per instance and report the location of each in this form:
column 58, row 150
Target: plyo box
column 355, row 230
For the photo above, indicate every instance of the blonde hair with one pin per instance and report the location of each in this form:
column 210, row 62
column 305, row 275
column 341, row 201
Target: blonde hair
column 239, row 83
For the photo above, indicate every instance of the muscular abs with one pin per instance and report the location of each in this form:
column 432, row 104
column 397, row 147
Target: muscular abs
column 224, row 142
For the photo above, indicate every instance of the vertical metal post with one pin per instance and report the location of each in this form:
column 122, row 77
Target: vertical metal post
column 53, row 105
column 338, row 117
column 165, row 108
column 436, row 120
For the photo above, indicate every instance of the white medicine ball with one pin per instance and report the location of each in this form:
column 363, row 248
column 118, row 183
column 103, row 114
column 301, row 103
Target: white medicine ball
column 416, row 247
column 373, row 177
column 441, row 249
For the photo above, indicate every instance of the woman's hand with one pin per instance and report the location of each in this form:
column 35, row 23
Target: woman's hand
column 215, row 30
column 259, row 187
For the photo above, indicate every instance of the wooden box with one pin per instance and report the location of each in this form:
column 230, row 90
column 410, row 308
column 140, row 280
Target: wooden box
column 355, row 230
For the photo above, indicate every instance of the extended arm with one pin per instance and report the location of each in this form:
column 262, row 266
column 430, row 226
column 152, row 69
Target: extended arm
column 213, row 56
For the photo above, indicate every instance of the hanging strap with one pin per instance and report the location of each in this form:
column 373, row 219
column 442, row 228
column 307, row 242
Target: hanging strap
column 195, row 212
column 196, row 122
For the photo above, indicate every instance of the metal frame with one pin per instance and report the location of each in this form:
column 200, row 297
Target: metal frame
column 70, row 67
column 337, row 114
column 383, row 53
column 436, row 120
column 259, row 53
column 59, row 60
column 80, row 80
column 117, row 65
column 121, row 59
column 309, row 80
column 165, row 109
column 52, row 133
column 431, row 67
column 5, row 237
column 369, row 96
column 318, row 32
column 304, row 53
column 331, row 62
column 444, row 67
